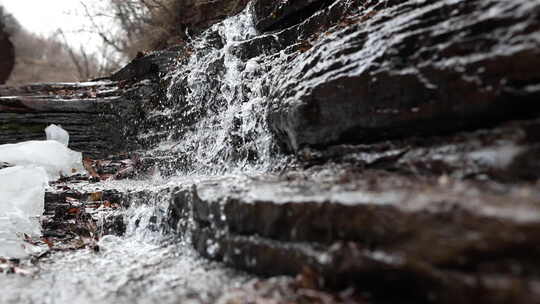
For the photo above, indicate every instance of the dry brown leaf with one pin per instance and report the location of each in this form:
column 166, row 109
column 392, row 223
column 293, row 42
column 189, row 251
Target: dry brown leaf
column 308, row 279
column 89, row 166
column 74, row 211
column 96, row 196
column 105, row 176
column 48, row 242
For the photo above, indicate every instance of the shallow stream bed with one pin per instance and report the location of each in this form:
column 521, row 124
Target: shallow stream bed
column 126, row 270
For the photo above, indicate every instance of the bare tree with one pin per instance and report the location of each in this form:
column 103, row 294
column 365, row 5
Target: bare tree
column 50, row 59
column 131, row 26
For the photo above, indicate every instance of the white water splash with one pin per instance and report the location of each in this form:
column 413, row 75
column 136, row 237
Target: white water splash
column 219, row 103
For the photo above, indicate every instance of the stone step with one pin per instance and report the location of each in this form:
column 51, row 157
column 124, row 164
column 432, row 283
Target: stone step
column 426, row 238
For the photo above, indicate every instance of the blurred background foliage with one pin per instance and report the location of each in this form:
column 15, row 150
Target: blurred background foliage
column 121, row 29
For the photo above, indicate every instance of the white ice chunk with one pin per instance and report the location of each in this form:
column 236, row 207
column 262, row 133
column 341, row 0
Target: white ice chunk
column 55, row 132
column 22, row 199
column 53, row 156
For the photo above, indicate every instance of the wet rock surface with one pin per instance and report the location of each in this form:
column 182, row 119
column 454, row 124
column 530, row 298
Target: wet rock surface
column 271, row 16
column 196, row 15
column 505, row 153
column 406, row 67
column 99, row 116
column 147, row 66
column 403, row 236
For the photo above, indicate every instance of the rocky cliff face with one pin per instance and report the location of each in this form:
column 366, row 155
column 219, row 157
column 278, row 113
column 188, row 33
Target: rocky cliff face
column 358, row 90
column 321, row 73
column 399, row 68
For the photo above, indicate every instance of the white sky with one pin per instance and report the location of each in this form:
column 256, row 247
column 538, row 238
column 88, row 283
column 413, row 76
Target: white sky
column 46, row 16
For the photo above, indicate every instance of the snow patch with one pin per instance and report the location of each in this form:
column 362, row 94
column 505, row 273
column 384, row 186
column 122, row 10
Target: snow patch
column 55, row 132
column 22, row 202
column 53, row 156
column 22, row 187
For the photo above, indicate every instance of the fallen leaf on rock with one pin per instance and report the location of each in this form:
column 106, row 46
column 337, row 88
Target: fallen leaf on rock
column 74, row 211
column 308, row 279
column 105, row 177
column 96, row 196
column 48, row 242
column 89, row 166
column 304, row 46
column 29, row 239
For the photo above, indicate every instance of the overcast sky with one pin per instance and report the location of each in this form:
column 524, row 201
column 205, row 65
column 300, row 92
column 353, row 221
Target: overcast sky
column 46, row 16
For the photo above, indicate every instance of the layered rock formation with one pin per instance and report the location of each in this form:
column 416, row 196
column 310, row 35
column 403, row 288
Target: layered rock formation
column 399, row 68
column 101, row 116
column 434, row 219
column 90, row 112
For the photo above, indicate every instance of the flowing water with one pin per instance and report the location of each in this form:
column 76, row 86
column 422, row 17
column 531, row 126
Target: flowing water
column 143, row 266
column 216, row 105
column 136, row 268
column 214, row 119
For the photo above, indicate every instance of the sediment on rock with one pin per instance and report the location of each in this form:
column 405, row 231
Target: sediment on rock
column 74, row 220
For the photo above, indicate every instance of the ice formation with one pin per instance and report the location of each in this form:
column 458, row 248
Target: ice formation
column 55, row 132
column 22, row 187
column 22, row 190
column 53, row 156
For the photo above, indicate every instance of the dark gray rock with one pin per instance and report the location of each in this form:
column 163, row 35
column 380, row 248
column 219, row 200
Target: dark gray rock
column 195, row 16
column 409, row 67
column 147, row 66
column 294, row 38
column 7, row 52
column 270, row 15
column 98, row 115
column 507, row 152
column 414, row 236
column 452, row 218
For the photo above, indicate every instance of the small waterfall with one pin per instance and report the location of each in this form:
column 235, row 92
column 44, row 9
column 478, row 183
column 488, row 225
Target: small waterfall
column 213, row 118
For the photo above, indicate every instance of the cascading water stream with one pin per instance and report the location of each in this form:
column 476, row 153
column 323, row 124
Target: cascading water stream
column 209, row 133
column 216, row 103
column 214, row 119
